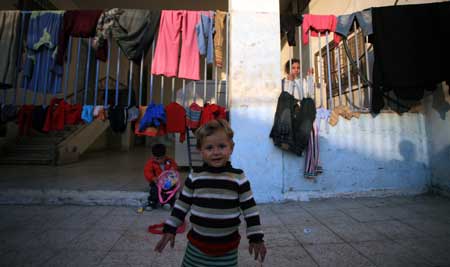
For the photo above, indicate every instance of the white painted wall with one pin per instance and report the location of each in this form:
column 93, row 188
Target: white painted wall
column 254, row 88
column 438, row 133
column 382, row 155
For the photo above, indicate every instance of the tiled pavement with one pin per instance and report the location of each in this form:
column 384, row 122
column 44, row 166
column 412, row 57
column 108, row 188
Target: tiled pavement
column 393, row 231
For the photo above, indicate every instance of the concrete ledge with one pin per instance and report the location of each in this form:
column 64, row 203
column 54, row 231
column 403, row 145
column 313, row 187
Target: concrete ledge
column 308, row 195
column 73, row 197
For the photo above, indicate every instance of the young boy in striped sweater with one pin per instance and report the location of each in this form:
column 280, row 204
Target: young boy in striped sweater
column 216, row 194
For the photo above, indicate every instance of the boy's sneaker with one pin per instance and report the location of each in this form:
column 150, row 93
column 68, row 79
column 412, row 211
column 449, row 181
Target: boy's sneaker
column 167, row 206
column 148, row 208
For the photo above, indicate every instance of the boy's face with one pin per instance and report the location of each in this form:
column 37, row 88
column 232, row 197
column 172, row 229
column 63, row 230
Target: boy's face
column 160, row 159
column 216, row 149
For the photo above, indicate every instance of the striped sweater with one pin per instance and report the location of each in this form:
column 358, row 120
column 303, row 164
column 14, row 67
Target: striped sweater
column 216, row 197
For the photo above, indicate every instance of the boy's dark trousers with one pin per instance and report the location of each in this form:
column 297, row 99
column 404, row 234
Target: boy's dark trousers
column 153, row 197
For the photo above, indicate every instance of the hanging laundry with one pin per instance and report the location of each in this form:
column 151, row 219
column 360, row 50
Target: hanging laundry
column 176, row 120
column 149, row 131
column 318, row 23
column 135, row 30
column 212, row 112
column 24, row 119
column 118, row 119
column 55, row 116
column 303, row 122
column 363, row 18
column 288, row 24
column 99, row 113
column 205, row 31
column 343, row 111
column 410, row 49
column 219, row 36
column 193, row 113
column 38, row 117
column 87, row 114
column 312, row 167
column 154, row 116
column 8, row 112
column 133, row 113
column 41, row 72
column 9, row 41
column 72, row 114
column 322, row 114
column 78, row 23
column 104, row 27
column 293, row 123
column 165, row 61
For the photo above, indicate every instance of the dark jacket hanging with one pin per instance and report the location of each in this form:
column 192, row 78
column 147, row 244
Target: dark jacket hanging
column 411, row 54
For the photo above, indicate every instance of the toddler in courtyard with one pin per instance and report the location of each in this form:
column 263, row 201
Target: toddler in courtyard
column 215, row 194
column 152, row 170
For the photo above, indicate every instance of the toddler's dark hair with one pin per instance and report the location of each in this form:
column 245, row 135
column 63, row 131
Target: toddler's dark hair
column 158, row 150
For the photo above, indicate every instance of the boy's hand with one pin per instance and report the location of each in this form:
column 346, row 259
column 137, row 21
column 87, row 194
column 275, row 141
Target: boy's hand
column 163, row 242
column 259, row 249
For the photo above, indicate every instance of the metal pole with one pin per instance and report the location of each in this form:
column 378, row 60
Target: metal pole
column 184, row 92
column 108, row 63
column 97, row 67
column 195, row 93
column 311, row 67
column 74, row 100
column 18, row 59
column 36, row 78
column 151, row 74
column 215, row 84
column 130, row 83
column 300, row 53
column 141, row 76
column 204, row 82
column 227, row 60
column 173, row 89
column 330, row 91
column 116, row 100
column 162, row 89
column 320, row 71
column 66, row 78
column 86, row 81
column 357, row 62
column 369, row 89
column 349, row 77
column 339, row 74
column 46, row 73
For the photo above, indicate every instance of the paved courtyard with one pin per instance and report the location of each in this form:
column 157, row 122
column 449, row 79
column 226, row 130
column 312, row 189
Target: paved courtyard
column 393, row 231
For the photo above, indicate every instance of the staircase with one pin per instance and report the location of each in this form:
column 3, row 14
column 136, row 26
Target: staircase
column 55, row 148
column 38, row 149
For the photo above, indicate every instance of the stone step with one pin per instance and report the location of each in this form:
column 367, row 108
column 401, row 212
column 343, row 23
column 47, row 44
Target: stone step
column 30, row 160
column 38, row 140
column 30, row 148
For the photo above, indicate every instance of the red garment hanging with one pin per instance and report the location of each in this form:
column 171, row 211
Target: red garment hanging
column 176, row 120
column 54, row 119
column 212, row 112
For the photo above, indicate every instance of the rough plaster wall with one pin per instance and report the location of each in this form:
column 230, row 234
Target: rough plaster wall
column 438, row 133
column 381, row 155
column 254, row 88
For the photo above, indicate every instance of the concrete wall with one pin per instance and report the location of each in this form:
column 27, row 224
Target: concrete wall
column 438, row 134
column 386, row 154
column 254, row 87
column 376, row 156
